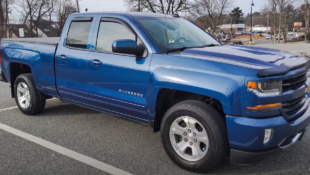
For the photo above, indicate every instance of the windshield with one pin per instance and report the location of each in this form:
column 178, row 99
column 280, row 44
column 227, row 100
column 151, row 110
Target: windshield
column 180, row 33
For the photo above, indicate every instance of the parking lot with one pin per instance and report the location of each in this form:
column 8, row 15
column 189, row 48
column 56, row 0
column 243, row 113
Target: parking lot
column 67, row 139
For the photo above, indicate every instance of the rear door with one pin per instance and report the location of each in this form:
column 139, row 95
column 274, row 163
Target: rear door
column 117, row 82
column 71, row 59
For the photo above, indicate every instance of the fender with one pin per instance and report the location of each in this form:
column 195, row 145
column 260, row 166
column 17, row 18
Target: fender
column 225, row 88
column 29, row 58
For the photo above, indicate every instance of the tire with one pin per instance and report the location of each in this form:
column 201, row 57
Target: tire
column 25, row 91
column 211, row 122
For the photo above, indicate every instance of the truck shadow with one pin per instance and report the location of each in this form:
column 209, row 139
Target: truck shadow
column 56, row 107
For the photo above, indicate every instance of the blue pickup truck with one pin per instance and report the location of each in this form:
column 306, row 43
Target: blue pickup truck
column 209, row 101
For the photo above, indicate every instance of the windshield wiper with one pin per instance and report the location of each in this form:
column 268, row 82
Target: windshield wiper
column 210, row 45
column 177, row 49
column 183, row 48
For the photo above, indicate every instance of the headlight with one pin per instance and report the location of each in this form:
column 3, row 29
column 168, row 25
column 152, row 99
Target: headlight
column 265, row 88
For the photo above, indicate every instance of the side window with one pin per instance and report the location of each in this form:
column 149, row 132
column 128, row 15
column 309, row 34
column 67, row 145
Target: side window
column 78, row 34
column 109, row 32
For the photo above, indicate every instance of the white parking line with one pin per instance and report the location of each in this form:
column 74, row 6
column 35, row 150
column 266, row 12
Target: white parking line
column 15, row 107
column 64, row 151
column 6, row 109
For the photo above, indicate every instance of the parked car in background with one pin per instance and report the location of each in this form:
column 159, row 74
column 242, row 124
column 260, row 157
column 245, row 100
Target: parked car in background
column 290, row 33
column 268, row 37
column 237, row 43
column 281, row 37
column 303, row 36
column 238, row 33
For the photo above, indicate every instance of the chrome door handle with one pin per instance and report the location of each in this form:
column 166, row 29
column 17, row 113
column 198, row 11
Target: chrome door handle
column 62, row 57
column 96, row 62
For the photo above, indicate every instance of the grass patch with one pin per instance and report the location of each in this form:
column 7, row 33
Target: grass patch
column 295, row 40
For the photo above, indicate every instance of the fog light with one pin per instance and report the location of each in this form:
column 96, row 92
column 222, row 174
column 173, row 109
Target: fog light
column 268, row 135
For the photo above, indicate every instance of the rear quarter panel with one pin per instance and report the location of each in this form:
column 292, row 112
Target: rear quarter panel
column 39, row 57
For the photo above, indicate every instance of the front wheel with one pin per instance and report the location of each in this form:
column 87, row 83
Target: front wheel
column 194, row 136
column 27, row 97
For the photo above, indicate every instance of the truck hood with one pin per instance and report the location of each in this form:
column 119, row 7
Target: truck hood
column 268, row 62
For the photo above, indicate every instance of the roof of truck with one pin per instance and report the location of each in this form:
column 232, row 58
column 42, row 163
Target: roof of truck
column 132, row 14
column 47, row 41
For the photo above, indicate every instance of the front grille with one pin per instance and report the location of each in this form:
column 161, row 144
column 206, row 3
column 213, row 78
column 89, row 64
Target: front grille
column 291, row 106
column 294, row 82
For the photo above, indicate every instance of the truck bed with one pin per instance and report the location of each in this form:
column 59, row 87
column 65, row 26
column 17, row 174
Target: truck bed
column 47, row 41
column 37, row 53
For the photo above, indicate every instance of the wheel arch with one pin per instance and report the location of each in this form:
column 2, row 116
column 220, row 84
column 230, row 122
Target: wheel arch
column 177, row 84
column 17, row 69
column 167, row 97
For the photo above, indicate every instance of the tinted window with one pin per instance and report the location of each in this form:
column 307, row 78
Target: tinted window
column 109, row 32
column 78, row 34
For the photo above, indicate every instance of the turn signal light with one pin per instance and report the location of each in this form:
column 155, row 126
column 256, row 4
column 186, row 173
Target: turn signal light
column 252, row 85
column 265, row 107
column 308, row 89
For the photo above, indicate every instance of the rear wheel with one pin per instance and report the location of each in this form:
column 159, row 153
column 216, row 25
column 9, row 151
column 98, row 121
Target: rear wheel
column 194, row 136
column 27, row 97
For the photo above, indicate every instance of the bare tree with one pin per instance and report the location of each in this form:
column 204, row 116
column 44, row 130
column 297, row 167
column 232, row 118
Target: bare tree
column 283, row 4
column 8, row 8
column 64, row 9
column 305, row 9
column 273, row 7
column 35, row 10
column 210, row 12
column 2, row 21
column 157, row 6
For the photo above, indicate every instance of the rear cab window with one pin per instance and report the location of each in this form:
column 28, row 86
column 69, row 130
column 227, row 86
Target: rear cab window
column 79, row 32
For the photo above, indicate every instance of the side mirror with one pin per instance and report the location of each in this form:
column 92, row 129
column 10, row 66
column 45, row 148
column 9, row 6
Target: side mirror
column 127, row 47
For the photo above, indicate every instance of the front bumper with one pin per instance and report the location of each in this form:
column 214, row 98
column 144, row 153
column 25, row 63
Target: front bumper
column 238, row 157
column 246, row 135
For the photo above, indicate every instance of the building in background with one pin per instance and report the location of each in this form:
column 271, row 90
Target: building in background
column 261, row 29
column 14, row 31
column 45, row 29
column 297, row 26
column 235, row 28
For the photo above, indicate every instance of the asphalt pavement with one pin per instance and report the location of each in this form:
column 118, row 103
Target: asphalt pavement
column 126, row 145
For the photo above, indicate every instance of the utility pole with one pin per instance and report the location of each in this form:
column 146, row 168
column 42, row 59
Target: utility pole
column 78, row 6
column 139, row 8
column 1, row 20
column 267, row 24
column 251, row 41
column 231, row 29
column 307, row 23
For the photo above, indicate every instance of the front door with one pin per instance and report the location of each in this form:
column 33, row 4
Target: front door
column 116, row 82
column 71, row 61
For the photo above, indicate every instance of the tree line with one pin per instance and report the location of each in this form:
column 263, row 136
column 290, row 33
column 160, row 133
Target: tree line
column 208, row 14
column 32, row 12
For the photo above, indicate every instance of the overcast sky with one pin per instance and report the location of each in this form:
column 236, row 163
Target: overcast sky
column 118, row 5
